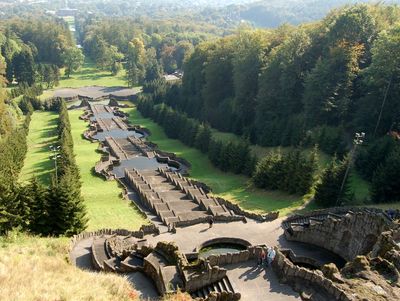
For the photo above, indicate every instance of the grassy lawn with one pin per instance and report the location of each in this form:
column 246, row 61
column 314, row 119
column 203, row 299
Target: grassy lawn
column 106, row 208
column 42, row 133
column 236, row 188
column 88, row 75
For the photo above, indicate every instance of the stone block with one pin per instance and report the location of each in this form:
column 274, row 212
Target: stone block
column 244, row 256
column 228, row 258
column 222, row 259
column 213, row 260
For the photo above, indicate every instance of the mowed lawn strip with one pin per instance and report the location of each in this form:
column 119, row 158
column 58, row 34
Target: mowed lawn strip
column 236, row 188
column 106, row 208
column 42, row 133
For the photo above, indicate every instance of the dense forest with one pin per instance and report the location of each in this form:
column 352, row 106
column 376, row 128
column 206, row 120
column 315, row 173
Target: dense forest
column 315, row 84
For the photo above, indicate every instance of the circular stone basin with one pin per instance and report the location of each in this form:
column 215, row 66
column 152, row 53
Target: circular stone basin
column 221, row 248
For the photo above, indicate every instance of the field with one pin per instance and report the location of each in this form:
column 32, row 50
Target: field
column 233, row 187
column 106, row 208
column 88, row 75
column 42, row 133
column 34, row 268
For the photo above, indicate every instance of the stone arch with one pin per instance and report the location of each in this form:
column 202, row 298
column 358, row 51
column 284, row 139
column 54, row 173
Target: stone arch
column 368, row 243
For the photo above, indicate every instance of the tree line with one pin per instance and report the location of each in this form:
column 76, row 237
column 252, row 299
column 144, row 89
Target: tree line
column 56, row 209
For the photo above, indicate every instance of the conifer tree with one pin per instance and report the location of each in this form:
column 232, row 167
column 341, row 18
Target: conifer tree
column 39, row 218
column 203, row 137
column 327, row 192
column 385, row 186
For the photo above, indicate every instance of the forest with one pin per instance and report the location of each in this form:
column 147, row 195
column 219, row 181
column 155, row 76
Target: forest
column 311, row 85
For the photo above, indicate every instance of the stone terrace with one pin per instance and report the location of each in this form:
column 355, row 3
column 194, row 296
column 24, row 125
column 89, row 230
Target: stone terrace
column 175, row 199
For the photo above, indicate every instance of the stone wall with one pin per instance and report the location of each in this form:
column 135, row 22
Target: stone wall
column 341, row 211
column 239, row 211
column 203, row 220
column 348, row 236
column 206, row 274
column 299, row 277
column 144, row 230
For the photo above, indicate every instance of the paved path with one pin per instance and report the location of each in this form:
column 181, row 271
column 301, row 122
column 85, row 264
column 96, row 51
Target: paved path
column 95, row 91
column 258, row 284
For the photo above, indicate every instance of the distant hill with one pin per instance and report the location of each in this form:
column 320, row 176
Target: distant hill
column 272, row 13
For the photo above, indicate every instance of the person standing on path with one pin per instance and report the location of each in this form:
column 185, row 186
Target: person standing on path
column 211, row 222
column 271, row 256
column 261, row 257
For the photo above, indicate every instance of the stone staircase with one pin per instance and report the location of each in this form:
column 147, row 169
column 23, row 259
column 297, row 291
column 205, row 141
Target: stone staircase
column 99, row 252
column 172, row 197
column 224, row 285
column 104, row 260
column 116, row 149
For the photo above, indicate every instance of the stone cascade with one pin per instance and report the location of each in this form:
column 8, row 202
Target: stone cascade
column 106, row 125
column 139, row 144
column 195, row 193
column 116, row 149
column 173, row 198
column 100, row 109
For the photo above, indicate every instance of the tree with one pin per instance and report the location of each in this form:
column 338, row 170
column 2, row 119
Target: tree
column 153, row 67
column 328, row 190
column 385, row 186
column 136, row 61
column 246, row 68
column 6, row 123
column 73, row 59
column 280, row 84
column 329, row 86
column 24, row 66
column 203, row 137
column 66, row 207
column 381, row 81
column 182, row 52
column 39, row 216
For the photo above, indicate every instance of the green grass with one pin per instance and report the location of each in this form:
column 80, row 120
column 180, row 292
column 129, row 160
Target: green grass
column 42, row 133
column 88, row 75
column 236, row 188
column 106, row 208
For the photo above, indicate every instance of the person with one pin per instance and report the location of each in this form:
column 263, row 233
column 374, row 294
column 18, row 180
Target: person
column 211, row 222
column 261, row 257
column 271, row 256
